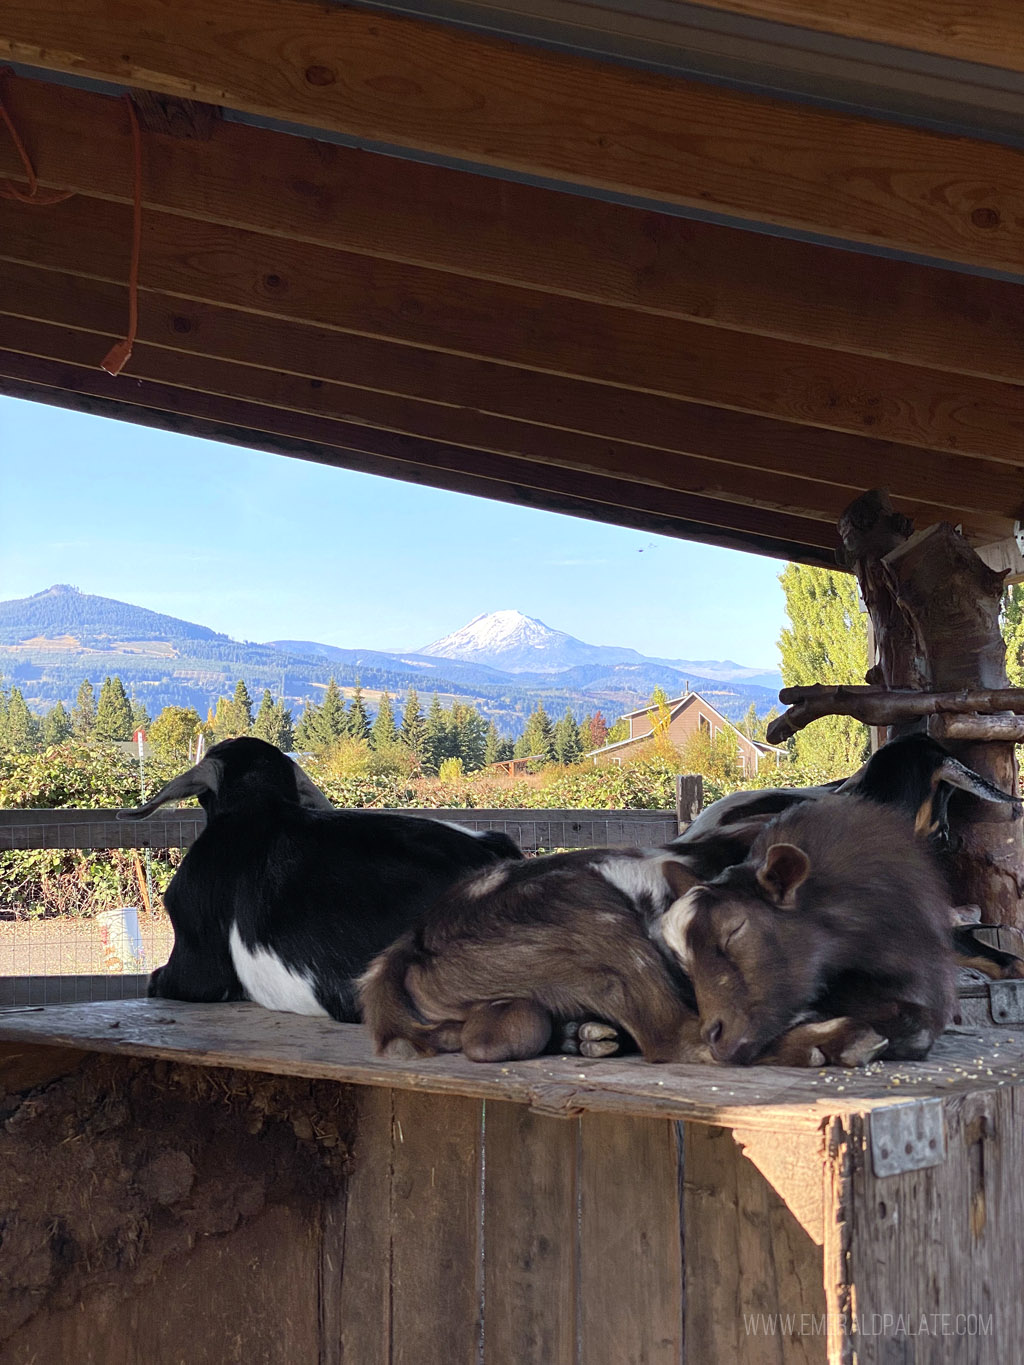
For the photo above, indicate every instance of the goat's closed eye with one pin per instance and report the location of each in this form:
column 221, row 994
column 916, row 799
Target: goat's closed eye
column 737, row 929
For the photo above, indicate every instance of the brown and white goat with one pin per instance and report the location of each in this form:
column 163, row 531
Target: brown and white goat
column 508, row 954
column 837, row 911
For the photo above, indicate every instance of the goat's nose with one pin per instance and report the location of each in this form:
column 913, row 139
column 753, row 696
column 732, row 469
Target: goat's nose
column 713, row 1032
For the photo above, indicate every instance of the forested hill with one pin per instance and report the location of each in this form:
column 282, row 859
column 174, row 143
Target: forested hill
column 53, row 640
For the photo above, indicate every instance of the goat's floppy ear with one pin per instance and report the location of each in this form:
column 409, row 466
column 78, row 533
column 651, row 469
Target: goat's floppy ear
column 678, row 878
column 310, row 795
column 783, row 872
column 956, row 775
column 204, row 777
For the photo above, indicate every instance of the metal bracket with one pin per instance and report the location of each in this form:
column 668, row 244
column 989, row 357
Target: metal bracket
column 1018, row 535
column 1006, row 1001
column 907, row 1137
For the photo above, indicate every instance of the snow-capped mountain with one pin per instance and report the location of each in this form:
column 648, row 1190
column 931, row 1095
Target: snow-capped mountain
column 516, row 643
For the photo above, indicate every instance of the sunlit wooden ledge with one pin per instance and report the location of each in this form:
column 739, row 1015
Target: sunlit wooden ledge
column 254, row 1039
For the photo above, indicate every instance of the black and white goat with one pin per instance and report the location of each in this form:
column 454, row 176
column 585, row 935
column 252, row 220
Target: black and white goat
column 284, row 899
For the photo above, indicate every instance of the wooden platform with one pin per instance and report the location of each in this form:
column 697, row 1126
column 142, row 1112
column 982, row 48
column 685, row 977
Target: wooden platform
column 559, row 1211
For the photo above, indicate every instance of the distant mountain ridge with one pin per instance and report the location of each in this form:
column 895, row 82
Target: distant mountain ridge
column 52, row 640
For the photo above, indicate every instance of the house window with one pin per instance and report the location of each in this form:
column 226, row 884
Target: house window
column 705, row 725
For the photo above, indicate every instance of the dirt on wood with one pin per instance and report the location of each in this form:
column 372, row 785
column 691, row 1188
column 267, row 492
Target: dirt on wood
column 112, row 1170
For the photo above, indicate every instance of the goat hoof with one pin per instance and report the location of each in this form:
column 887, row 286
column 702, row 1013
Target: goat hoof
column 816, row 1057
column 863, row 1049
column 400, row 1050
column 599, row 1048
column 598, row 1033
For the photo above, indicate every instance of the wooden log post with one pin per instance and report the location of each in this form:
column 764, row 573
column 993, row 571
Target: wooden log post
column 689, row 798
column 935, row 608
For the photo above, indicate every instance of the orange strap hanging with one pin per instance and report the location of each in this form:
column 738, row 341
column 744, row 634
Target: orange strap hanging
column 8, row 190
column 118, row 355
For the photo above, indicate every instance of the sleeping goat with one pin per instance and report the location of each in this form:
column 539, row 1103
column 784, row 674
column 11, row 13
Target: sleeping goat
column 283, row 899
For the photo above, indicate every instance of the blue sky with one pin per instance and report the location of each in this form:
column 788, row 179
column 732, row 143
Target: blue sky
column 262, row 548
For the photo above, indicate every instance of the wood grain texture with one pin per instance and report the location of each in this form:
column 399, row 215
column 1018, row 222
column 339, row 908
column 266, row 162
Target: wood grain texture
column 518, row 234
column 375, row 451
column 284, row 351
column 749, row 1259
column 987, row 32
column 444, row 90
column 436, row 1264
column 254, row 1039
column 934, row 1255
column 468, row 427
column 218, row 429
column 433, row 310
column 530, row 1237
column 630, row 1252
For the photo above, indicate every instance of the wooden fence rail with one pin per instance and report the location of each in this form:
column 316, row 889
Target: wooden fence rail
column 531, row 829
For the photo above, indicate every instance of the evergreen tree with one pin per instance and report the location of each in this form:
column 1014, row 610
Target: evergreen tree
column 273, row 723
column 4, row 705
column 467, row 736
column 113, row 712
column 83, row 713
column 492, row 745
column 358, row 721
column 141, row 719
column 242, row 707
column 825, row 642
column 333, row 719
column 233, row 717
column 567, row 741
column 435, row 736
column 384, row 731
column 22, row 727
column 306, row 728
column 56, row 725
column 413, row 725
column 539, row 735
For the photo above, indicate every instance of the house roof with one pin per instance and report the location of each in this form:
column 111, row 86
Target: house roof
column 674, row 708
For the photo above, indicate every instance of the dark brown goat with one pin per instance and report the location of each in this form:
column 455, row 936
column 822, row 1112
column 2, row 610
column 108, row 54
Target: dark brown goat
column 505, row 955
column 838, row 910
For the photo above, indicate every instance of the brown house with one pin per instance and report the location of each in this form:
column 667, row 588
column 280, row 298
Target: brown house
column 688, row 716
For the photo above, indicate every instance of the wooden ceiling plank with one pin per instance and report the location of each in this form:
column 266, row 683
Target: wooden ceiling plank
column 320, row 360
column 438, row 89
column 519, row 327
column 518, row 234
column 476, row 431
column 203, row 429
column 396, row 449
column 989, row 32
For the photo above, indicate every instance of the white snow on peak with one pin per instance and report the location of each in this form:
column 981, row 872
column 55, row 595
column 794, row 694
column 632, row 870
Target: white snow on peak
column 518, row 643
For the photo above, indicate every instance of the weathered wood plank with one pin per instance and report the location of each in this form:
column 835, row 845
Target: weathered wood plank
column 467, row 470
column 284, row 351
column 355, row 1266
column 749, row 1260
column 932, row 1265
column 530, row 1305
column 436, row 1263
column 252, row 438
column 630, row 1255
column 521, row 234
column 402, row 81
column 254, row 1039
column 73, row 828
column 434, row 310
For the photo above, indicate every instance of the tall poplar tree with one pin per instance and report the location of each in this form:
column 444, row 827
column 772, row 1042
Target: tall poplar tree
column 825, row 642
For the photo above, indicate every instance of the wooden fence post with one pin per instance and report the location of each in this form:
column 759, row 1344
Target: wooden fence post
column 689, row 798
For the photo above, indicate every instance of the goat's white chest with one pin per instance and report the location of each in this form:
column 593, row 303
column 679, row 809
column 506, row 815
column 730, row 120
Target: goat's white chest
column 269, row 982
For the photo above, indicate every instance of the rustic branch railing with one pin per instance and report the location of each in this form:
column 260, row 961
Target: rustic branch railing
column 531, row 829
column 888, row 706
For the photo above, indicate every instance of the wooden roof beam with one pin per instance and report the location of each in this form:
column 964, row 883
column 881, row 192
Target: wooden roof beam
column 480, row 475
column 342, row 375
column 520, row 327
column 989, row 32
column 433, row 88
column 519, row 234
column 476, row 431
